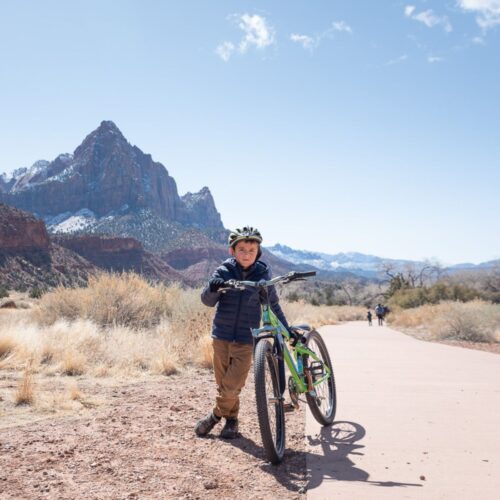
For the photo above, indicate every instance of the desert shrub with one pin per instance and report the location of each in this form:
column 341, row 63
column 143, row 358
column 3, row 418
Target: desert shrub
column 36, row 293
column 414, row 297
column 346, row 292
column 474, row 321
column 3, row 292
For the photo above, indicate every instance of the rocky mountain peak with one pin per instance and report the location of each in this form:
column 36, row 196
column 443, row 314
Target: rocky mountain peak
column 104, row 140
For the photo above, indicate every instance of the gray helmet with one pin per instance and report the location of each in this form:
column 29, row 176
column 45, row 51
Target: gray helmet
column 245, row 234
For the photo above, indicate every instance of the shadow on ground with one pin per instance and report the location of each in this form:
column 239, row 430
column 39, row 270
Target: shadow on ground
column 337, row 445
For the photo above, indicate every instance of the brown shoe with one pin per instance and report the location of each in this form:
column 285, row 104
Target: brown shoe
column 206, row 424
column 230, row 429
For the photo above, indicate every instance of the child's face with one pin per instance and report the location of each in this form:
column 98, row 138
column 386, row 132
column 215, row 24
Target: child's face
column 245, row 253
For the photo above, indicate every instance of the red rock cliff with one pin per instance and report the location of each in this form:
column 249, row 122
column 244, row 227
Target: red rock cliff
column 20, row 231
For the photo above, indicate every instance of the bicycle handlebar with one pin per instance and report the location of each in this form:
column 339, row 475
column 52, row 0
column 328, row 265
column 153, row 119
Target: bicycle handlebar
column 287, row 278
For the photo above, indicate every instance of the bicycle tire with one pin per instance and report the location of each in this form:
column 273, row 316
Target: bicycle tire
column 272, row 433
column 315, row 403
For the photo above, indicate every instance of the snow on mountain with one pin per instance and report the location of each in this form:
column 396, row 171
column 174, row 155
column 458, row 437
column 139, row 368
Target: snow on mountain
column 70, row 223
column 359, row 263
column 352, row 261
column 40, row 172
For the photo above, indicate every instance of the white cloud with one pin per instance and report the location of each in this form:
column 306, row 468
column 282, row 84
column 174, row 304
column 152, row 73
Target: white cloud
column 309, row 42
column 225, row 50
column 428, row 18
column 488, row 11
column 434, row 59
column 306, row 41
column 478, row 40
column 398, row 60
column 409, row 10
column 258, row 32
column 341, row 26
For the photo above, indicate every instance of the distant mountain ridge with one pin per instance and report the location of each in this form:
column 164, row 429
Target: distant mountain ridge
column 368, row 266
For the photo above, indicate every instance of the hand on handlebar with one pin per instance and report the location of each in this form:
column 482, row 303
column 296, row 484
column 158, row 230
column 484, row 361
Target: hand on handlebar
column 215, row 283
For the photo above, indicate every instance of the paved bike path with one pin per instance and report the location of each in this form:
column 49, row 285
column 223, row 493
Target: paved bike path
column 415, row 420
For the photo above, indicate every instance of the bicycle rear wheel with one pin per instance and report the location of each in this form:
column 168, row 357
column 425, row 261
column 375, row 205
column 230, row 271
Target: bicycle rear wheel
column 269, row 402
column 323, row 404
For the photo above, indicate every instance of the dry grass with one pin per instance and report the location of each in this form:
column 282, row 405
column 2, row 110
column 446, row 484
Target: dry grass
column 73, row 332
column 475, row 321
column 74, row 393
column 25, row 390
column 316, row 316
column 7, row 346
column 110, row 299
column 205, row 353
column 73, row 363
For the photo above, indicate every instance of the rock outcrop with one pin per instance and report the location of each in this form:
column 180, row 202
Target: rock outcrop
column 21, row 231
column 120, row 254
column 112, row 253
column 185, row 257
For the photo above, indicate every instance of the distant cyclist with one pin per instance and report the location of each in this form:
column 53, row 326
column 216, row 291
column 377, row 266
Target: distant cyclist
column 380, row 312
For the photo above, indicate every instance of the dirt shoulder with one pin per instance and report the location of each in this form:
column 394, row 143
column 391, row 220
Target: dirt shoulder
column 139, row 443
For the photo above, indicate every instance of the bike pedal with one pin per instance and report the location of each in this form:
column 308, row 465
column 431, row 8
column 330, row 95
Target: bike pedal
column 288, row 407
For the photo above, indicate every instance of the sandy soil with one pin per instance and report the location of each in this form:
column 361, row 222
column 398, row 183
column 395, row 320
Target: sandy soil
column 139, row 443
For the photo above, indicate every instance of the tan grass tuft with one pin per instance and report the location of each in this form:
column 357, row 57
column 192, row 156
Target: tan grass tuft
column 25, row 389
column 74, row 393
column 167, row 363
column 205, row 353
column 7, row 346
column 73, row 364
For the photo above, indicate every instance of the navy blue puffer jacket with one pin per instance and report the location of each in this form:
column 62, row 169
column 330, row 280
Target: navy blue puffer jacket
column 239, row 310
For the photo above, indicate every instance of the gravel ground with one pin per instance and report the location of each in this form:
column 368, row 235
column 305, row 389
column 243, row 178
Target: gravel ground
column 139, row 443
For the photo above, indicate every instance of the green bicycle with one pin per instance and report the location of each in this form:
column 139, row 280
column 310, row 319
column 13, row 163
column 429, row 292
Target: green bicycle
column 304, row 352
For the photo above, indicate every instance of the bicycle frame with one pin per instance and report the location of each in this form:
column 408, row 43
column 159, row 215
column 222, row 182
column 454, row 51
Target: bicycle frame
column 272, row 328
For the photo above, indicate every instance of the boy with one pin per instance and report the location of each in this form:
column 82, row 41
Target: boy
column 369, row 317
column 237, row 312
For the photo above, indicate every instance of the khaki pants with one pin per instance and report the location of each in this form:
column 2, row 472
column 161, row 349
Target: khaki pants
column 232, row 362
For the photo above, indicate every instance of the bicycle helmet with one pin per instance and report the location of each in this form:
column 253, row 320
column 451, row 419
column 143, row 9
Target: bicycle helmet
column 245, row 234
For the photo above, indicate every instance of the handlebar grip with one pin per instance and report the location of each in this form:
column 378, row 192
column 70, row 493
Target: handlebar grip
column 304, row 274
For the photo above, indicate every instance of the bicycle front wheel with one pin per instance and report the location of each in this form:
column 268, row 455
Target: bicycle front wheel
column 269, row 402
column 323, row 403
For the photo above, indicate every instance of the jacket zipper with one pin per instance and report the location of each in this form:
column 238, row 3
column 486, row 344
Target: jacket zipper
column 237, row 317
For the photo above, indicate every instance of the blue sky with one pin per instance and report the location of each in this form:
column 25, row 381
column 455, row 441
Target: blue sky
column 331, row 125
